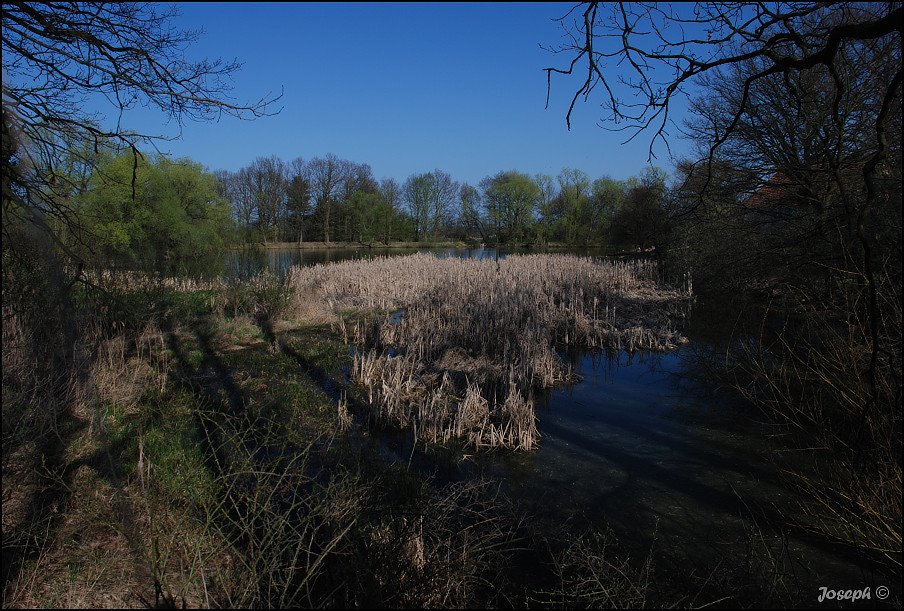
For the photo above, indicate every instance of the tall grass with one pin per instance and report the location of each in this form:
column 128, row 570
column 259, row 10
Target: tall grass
column 809, row 377
column 455, row 348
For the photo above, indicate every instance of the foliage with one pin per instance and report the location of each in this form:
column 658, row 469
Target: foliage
column 153, row 213
column 55, row 56
column 510, row 199
column 369, row 214
column 329, row 198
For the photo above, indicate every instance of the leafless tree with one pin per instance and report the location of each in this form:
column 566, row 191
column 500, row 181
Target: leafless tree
column 325, row 174
column 266, row 181
column 642, row 56
column 59, row 58
column 430, row 197
column 298, row 200
column 442, row 196
column 238, row 190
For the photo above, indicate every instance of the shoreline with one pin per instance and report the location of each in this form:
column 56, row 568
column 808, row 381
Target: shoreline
column 350, row 245
column 458, row 244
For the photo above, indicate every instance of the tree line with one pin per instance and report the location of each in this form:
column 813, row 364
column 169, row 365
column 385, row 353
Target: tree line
column 125, row 209
column 329, row 199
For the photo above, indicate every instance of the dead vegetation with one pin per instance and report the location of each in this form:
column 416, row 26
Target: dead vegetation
column 455, row 348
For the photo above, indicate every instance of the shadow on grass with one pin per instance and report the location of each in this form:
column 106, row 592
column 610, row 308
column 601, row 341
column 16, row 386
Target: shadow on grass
column 45, row 504
column 48, row 506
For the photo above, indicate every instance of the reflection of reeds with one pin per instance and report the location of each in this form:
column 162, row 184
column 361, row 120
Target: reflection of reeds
column 477, row 337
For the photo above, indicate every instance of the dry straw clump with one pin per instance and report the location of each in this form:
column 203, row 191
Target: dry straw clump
column 455, row 348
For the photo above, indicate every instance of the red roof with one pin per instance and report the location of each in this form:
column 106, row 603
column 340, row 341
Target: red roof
column 771, row 193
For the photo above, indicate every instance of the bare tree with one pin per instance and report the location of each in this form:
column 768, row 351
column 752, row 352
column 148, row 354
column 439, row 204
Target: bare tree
column 266, row 182
column 298, row 196
column 470, row 217
column 796, row 187
column 58, row 55
column 325, row 174
column 233, row 187
column 244, row 207
column 430, row 198
column 442, row 197
column 642, row 56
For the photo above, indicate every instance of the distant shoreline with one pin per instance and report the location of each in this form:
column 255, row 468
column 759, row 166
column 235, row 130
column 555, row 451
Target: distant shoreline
column 391, row 245
column 349, row 245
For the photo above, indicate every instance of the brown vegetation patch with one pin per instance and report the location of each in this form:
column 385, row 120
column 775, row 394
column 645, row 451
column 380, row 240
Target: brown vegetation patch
column 469, row 341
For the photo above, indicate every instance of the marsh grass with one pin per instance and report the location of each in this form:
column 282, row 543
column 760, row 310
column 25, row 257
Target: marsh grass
column 286, row 525
column 170, row 496
column 201, row 468
column 808, row 377
column 456, row 348
column 594, row 574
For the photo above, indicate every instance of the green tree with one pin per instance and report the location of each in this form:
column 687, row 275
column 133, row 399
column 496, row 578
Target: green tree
column 160, row 214
column 391, row 193
column 417, row 196
column 511, row 200
column 368, row 213
column 574, row 187
column 546, row 219
column 606, row 199
column 470, row 218
column 356, row 178
column 55, row 55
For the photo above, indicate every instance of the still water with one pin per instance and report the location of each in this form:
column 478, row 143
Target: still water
column 651, row 447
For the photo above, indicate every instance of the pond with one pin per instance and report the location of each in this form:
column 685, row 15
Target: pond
column 650, row 447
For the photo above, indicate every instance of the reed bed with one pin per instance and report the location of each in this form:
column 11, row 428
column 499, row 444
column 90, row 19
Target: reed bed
column 128, row 280
column 456, row 348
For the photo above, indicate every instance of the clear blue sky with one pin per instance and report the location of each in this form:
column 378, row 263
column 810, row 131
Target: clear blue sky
column 404, row 87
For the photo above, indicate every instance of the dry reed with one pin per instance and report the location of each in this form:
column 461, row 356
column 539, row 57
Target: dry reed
column 455, row 348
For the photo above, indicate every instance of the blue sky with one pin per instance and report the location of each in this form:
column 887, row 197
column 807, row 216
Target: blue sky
column 404, row 87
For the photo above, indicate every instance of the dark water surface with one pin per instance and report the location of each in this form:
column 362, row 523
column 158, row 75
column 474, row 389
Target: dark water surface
column 645, row 447
column 650, row 447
